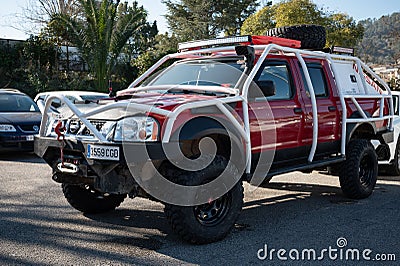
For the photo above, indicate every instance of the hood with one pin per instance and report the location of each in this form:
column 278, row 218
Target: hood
column 162, row 101
column 23, row 117
column 167, row 101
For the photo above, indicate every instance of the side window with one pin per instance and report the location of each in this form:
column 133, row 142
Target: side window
column 318, row 80
column 278, row 73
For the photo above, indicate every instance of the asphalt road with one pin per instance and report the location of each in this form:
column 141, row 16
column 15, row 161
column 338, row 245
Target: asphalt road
column 299, row 213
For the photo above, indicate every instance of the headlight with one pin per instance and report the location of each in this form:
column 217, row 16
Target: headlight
column 136, row 129
column 7, row 128
column 107, row 130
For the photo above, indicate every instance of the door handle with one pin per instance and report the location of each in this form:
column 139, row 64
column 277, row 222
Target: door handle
column 332, row 108
column 298, row 110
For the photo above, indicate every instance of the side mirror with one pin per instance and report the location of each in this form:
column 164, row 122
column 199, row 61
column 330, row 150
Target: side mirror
column 267, row 87
column 56, row 104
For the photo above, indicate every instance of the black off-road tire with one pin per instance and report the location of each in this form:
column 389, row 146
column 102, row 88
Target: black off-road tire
column 212, row 221
column 311, row 36
column 359, row 172
column 87, row 200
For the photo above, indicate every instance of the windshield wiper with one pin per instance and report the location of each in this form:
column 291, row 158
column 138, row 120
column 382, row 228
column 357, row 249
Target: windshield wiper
column 187, row 91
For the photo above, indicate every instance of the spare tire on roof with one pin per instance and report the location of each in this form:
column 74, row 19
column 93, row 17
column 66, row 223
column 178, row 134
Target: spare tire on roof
column 311, row 36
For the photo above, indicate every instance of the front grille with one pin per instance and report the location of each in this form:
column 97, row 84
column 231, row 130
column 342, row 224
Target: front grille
column 76, row 127
column 98, row 124
column 29, row 128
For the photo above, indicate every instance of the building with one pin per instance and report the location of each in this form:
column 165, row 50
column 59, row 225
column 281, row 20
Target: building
column 69, row 58
column 387, row 73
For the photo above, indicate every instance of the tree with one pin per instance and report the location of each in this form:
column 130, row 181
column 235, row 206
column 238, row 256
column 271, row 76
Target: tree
column 191, row 19
column 199, row 19
column 32, row 66
column 39, row 12
column 41, row 56
column 381, row 42
column 126, row 70
column 11, row 61
column 259, row 22
column 233, row 13
column 292, row 12
column 164, row 45
column 341, row 29
column 100, row 31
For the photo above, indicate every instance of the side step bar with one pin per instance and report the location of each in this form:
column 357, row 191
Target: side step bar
column 305, row 166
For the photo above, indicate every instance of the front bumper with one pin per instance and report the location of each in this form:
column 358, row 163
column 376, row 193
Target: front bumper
column 108, row 176
column 16, row 142
column 137, row 152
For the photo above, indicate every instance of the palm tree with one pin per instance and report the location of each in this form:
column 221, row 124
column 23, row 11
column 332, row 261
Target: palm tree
column 100, row 30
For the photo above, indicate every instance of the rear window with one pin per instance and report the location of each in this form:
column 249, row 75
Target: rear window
column 17, row 103
column 318, row 80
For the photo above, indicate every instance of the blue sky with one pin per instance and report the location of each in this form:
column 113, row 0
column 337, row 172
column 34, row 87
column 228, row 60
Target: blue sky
column 11, row 11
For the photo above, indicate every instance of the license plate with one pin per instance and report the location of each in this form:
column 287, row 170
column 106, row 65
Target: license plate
column 101, row 152
column 30, row 138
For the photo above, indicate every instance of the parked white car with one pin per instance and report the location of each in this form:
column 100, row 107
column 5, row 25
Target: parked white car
column 73, row 96
column 392, row 165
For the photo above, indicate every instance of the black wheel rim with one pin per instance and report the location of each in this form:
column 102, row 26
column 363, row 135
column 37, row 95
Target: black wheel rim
column 366, row 171
column 212, row 213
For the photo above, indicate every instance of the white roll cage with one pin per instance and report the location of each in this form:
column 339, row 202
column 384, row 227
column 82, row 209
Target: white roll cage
column 244, row 129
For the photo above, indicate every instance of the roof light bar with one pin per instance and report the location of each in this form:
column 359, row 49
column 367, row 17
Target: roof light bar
column 242, row 40
column 342, row 50
column 218, row 41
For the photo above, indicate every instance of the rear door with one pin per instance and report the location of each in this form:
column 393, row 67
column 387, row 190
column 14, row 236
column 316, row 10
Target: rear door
column 327, row 106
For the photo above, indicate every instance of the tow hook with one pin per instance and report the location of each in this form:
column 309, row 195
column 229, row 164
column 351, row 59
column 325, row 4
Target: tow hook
column 60, row 131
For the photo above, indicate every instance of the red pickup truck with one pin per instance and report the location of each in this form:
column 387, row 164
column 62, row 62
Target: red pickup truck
column 198, row 123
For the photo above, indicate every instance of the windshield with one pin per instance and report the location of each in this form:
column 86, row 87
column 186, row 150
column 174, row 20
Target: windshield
column 225, row 73
column 17, row 103
column 93, row 97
